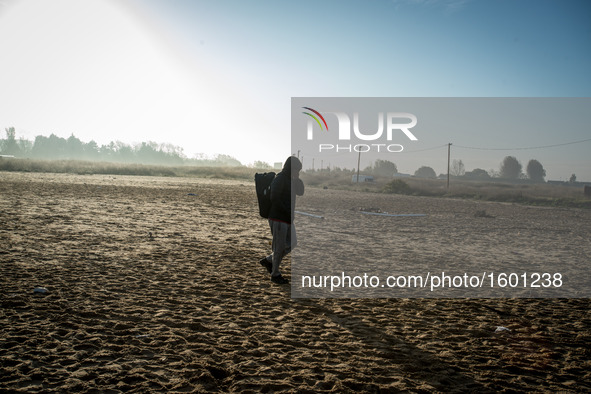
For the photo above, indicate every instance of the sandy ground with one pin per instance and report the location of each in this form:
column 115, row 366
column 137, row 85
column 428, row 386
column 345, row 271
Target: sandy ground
column 547, row 249
column 154, row 285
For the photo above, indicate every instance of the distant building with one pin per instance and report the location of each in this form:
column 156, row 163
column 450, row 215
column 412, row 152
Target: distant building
column 362, row 178
column 277, row 165
column 401, row 175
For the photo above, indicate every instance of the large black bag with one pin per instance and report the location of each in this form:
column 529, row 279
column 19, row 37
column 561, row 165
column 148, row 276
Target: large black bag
column 262, row 184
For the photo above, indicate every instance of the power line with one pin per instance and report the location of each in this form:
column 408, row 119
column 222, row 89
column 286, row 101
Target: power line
column 525, row 148
column 423, row 150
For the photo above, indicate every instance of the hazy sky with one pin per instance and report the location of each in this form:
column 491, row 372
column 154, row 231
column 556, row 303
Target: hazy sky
column 218, row 76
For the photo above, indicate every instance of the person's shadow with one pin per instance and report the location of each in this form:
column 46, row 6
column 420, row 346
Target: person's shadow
column 414, row 362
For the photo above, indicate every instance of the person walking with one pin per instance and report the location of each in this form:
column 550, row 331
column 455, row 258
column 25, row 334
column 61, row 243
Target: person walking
column 284, row 188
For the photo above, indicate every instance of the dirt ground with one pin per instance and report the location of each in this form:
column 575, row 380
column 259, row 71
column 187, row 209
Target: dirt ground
column 153, row 284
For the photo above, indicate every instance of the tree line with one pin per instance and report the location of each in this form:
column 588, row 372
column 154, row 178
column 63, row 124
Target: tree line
column 510, row 169
column 72, row 148
column 152, row 153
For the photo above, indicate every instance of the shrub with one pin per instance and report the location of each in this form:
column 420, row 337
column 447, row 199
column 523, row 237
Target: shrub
column 397, row 186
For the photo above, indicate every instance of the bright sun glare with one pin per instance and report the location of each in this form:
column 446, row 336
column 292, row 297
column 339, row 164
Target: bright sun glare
column 101, row 70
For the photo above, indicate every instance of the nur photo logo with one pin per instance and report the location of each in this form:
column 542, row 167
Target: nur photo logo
column 316, row 119
column 348, row 129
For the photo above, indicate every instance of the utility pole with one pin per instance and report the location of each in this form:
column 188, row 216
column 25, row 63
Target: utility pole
column 312, row 164
column 358, row 160
column 448, row 155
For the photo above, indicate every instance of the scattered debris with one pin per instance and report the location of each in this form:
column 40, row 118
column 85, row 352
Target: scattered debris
column 375, row 210
column 482, row 214
column 502, row 329
column 40, row 290
column 394, row 214
column 309, row 214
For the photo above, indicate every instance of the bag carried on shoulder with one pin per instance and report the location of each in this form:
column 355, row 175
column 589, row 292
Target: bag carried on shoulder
column 262, row 184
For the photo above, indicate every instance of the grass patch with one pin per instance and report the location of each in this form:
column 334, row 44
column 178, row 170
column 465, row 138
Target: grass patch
column 526, row 193
column 107, row 168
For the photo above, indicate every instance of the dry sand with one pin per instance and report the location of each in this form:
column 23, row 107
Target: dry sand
column 153, row 289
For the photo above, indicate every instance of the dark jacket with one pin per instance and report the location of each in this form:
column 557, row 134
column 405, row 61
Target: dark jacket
column 283, row 195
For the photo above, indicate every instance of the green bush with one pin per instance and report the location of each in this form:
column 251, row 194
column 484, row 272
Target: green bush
column 397, row 186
